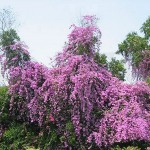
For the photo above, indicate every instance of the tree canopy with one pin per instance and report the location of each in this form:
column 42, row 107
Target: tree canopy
column 136, row 50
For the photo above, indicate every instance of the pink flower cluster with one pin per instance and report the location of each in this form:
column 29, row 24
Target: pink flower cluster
column 127, row 117
column 13, row 56
column 82, row 40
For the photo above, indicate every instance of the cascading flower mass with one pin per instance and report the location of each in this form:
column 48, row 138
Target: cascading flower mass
column 101, row 109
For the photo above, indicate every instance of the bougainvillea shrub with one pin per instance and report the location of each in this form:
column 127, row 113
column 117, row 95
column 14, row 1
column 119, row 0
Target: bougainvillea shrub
column 87, row 106
column 127, row 118
column 25, row 83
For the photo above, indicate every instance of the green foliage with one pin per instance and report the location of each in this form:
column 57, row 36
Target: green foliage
column 146, row 28
column 9, row 37
column 134, row 46
column 26, row 137
column 3, row 96
column 148, row 80
column 16, row 135
column 4, row 105
column 72, row 136
column 32, row 148
column 117, row 68
column 133, row 43
column 132, row 145
column 100, row 59
column 14, row 131
column 82, row 49
column 19, row 136
column 69, row 126
column 48, row 140
column 126, row 148
column 13, row 136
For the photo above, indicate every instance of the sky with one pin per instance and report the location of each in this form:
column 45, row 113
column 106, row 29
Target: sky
column 45, row 24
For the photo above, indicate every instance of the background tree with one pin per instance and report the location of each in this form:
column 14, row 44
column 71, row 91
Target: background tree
column 13, row 51
column 136, row 50
column 116, row 67
column 146, row 29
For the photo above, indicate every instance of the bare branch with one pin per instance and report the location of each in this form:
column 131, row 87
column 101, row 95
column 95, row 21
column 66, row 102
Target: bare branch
column 7, row 20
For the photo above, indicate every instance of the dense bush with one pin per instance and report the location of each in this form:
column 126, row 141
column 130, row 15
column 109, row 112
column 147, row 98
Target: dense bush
column 77, row 104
